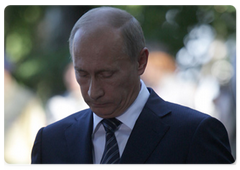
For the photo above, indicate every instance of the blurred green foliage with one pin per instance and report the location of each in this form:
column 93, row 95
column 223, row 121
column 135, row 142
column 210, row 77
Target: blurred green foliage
column 36, row 37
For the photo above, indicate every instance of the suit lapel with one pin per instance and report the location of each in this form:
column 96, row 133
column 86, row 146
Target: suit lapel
column 79, row 141
column 147, row 132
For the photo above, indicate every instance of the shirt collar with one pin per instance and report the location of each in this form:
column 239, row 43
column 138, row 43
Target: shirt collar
column 130, row 116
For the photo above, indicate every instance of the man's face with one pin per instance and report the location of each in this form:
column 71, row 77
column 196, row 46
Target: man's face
column 109, row 80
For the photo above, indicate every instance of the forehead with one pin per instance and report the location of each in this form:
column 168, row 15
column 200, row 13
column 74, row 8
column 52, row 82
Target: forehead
column 97, row 33
column 94, row 43
column 103, row 47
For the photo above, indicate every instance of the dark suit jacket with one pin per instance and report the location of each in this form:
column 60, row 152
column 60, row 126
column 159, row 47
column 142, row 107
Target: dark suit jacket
column 164, row 133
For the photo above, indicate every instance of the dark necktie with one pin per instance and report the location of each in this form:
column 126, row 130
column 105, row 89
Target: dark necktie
column 111, row 152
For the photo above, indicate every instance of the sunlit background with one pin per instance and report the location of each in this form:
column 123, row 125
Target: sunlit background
column 192, row 62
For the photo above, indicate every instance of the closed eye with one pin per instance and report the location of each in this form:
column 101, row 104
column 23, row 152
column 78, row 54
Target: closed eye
column 81, row 73
column 106, row 74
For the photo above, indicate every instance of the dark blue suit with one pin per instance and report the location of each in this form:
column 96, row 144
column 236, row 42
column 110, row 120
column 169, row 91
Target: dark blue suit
column 164, row 133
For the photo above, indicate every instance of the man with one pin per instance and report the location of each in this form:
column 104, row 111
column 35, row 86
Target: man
column 126, row 122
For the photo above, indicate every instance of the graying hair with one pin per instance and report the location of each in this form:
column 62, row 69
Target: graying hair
column 131, row 30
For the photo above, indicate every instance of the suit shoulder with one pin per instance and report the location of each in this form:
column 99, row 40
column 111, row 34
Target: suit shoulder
column 67, row 121
column 180, row 110
column 184, row 116
column 172, row 111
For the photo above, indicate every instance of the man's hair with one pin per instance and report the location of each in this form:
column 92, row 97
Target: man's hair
column 130, row 28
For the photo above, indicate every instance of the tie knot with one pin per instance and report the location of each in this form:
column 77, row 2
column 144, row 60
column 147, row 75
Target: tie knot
column 111, row 125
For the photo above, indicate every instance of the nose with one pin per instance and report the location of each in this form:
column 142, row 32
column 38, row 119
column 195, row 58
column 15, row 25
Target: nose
column 95, row 91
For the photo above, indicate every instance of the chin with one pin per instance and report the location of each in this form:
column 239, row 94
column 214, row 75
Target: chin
column 100, row 111
column 103, row 112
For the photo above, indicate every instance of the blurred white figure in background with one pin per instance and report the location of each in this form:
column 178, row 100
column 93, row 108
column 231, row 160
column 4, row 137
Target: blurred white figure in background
column 23, row 116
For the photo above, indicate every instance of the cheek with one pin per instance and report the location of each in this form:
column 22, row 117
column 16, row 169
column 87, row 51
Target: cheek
column 118, row 88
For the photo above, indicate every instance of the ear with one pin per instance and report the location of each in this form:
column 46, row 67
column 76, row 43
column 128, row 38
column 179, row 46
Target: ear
column 142, row 60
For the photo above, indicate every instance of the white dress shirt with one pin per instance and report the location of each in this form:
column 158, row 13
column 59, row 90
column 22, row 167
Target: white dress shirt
column 128, row 119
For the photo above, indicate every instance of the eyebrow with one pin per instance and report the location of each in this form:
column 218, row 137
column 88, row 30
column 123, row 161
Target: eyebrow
column 79, row 69
column 98, row 71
